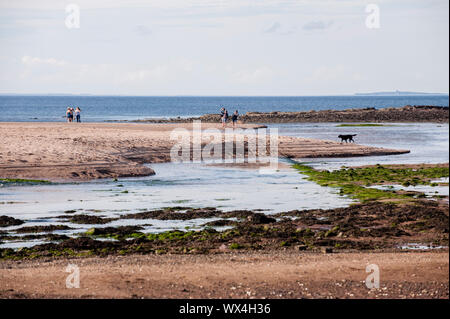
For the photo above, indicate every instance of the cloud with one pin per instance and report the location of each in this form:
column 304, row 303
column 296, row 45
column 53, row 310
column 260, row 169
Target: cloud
column 28, row 60
column 157, row 72
column 59, row 71
column 326, row 73
column 173, row 4
column 143, row 30
column 277, row 28
column 317, row 25
column 273, row 28
column 254, row 76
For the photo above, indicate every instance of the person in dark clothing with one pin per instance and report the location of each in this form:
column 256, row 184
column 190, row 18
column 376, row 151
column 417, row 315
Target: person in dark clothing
column 234, row 118
column 224, row 116
column 69, row 114
column 78, row 114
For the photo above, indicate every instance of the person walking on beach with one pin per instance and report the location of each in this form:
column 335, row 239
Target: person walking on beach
column 222, row 112
column 78, row 114
column 69, row 114
column 224, row 117
column 234, row 118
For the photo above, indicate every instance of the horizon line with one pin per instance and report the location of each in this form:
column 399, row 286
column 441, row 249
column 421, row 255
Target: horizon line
column 381, row 93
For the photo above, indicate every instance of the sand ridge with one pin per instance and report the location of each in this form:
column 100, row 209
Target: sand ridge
column 71, row 151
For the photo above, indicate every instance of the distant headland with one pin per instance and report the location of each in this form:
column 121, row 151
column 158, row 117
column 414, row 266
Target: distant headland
column 399, row 93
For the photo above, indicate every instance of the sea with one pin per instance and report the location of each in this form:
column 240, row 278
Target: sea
column 25, row 108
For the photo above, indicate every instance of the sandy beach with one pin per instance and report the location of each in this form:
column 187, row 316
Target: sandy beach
column 273, row 274
column 64, row 151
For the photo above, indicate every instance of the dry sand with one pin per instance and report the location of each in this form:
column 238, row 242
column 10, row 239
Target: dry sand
column 281, row 274
column 69, row 151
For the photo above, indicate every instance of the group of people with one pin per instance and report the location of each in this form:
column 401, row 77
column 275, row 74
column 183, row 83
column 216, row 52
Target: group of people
column 70, row 113
column 224, row 117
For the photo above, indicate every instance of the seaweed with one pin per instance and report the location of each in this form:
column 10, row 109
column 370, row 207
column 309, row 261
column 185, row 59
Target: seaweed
column 351, row 181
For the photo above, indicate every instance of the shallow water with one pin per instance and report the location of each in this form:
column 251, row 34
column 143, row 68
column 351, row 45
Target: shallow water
column 188, row 185
column 192, row 185
column 426, row 189
column 427, row 142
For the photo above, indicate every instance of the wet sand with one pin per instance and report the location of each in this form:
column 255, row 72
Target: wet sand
column 273, row 274
column 70, row 151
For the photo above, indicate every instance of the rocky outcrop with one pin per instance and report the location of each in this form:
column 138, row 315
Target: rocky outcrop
column 437, row 114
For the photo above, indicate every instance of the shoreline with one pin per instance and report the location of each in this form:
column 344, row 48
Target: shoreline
column 65, row 152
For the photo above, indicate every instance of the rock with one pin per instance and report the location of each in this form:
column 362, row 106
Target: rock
column 394, row 114
column 259, row 218
column 326, row 250
column 92, row 231
column 40, row 229
column 301, row 247
column 6, row 221
column 120, row 230
column 89, row 219
column 220, row 222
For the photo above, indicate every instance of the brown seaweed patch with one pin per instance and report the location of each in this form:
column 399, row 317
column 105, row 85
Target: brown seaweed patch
column 49, row 237
column 175, row 215
column 41, row 229
column 113, row 231
column 6, row 221
column 220, row 223
column 89, row 219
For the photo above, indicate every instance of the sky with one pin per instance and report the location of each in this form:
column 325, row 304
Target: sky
column 223, row 47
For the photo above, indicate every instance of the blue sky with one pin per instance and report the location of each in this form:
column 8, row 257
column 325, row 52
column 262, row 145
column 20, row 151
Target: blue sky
column 223, row 47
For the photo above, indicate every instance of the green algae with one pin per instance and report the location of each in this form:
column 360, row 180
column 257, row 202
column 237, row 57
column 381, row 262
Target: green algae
column 351, row 181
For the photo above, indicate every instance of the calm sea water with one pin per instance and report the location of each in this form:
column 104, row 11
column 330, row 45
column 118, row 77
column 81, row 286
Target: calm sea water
column 101, row 108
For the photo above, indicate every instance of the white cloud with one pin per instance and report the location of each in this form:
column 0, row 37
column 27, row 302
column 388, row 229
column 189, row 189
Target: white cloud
column 277, row 28
column 28, row 60
column 143, row 30
column 38, row 69
column 153, row 73
column 327, row 73
column 99, row 4
column 182, row 51
column 254, row 76
column 317, row 25
column 273, row 28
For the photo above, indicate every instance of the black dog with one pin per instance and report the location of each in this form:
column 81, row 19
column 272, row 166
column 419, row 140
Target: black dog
column 347, row 138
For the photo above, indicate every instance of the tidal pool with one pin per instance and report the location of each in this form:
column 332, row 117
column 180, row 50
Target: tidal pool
column 187, row 185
